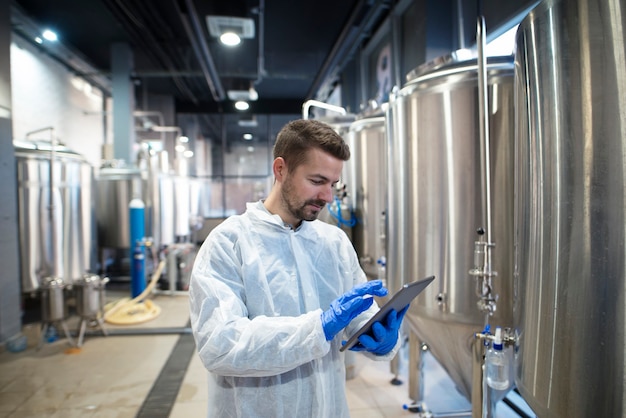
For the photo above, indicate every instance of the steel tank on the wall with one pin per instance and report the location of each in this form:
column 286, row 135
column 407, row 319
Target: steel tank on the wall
column 55, row 211
column 570, row 208
column 436, row 201
column 367, row 190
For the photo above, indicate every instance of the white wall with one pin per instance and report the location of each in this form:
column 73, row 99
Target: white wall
column 46, row 94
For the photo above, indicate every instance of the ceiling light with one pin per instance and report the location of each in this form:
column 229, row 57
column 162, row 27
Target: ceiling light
column 183, row 139
column 38, row 40
column 230, row 39
column 241, row 105
column 247, row 137
column 49, row 35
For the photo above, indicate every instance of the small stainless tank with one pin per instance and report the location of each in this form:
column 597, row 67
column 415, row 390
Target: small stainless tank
column 90, row 296
column 53, row 307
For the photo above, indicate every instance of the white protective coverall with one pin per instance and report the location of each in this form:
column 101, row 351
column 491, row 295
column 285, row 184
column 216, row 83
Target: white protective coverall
column 257, row 291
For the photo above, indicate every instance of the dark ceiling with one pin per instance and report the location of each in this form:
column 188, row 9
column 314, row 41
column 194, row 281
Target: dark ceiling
column 298, row 46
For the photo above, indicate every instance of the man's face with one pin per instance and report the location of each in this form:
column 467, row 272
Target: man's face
column 306, row 190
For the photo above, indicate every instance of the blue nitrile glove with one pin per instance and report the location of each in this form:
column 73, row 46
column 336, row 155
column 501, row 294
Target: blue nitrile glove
column 348, row 306
column 384, row 337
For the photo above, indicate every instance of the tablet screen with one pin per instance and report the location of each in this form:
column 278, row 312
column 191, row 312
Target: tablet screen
column 403, row 297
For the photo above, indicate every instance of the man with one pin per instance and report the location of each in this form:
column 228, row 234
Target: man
column 272, row 290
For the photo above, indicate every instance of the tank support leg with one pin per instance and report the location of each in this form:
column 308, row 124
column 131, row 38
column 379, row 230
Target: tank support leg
column 416, row 375
column 44, row 330
column 83, row 326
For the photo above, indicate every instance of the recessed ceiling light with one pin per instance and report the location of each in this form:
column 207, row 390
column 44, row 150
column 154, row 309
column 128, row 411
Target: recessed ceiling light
column 247, row 137
column 49, row 35
column 230, row 39
column 241, row 105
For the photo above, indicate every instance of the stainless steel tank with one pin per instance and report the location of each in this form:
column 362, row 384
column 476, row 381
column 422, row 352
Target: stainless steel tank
column 368, row 191
column 90, row 295
column 116, row 187
column 177, row 204
column 55, row 211
column 436, row 196
column 570, row 208
column 53, row 307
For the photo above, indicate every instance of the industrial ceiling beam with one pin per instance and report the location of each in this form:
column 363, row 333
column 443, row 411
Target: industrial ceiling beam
column 193, row 28
column 362, row 20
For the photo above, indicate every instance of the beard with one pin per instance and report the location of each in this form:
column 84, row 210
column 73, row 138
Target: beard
column 297, row 208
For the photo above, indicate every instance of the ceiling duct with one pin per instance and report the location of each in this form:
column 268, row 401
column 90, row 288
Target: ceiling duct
column 191, row 24
column 244, row 27
column 362, row 21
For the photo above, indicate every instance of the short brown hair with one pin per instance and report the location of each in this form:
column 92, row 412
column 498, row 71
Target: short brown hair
column 298, row 136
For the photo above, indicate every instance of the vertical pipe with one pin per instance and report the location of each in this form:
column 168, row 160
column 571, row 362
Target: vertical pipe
column 460, row 24
column 480, row 401
column 483, row 111
column 53, row 212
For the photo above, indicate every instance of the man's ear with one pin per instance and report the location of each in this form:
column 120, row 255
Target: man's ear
column 279, row 167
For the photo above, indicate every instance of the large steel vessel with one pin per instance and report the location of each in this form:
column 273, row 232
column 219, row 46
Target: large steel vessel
column 368, row 192
column 436, row 201
column 570, row 223
column 55, row 211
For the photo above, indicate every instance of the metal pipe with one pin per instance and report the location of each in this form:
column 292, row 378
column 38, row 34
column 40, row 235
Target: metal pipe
column 480, row 396
column 147, row 113
column 460, row 23
column 483, row 111
column 316, row 103
column 140, row 331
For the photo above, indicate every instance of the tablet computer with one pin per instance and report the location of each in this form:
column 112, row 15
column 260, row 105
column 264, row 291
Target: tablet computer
column 403, row 297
